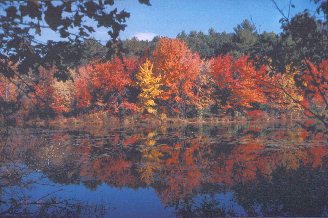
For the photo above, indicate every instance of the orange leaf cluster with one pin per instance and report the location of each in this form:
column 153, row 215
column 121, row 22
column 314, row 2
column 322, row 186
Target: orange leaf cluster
column 315, row 81
column 178, row 68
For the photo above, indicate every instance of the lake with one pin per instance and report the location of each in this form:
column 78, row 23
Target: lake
column 240, row 169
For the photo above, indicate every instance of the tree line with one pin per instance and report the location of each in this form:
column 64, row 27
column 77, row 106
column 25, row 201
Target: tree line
column 193, row 75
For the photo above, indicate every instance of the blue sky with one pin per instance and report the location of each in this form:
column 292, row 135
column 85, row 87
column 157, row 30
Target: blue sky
column 170, row 17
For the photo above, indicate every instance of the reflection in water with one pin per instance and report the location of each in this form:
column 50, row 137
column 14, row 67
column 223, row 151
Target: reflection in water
column 253, row 169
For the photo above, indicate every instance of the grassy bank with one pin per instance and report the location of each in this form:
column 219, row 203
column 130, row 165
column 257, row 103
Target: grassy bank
column 104, row 120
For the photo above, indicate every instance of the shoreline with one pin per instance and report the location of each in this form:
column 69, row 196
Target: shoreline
column 109, row 122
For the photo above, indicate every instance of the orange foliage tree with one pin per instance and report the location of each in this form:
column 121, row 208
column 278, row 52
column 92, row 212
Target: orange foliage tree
column 178, row 67
column 314, row 84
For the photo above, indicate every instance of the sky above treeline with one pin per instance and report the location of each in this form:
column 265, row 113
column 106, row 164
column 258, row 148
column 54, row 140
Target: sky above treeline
column 170, row 17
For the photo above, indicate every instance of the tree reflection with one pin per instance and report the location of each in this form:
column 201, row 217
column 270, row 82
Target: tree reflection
column 150, row 159
column 269, row 168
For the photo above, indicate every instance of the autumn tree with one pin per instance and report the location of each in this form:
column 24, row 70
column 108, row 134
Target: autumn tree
column 204, row 89
column 63, row 95
column 178, row 68
column 105, row 85
column 149, row 86
column 313, row 81
column 237, row 82
column 73, row 22
column 82, row 93
column 281, row 90
column 301, row 88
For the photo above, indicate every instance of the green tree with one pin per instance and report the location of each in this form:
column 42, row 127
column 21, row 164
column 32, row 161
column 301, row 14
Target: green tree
column 244, row 38
column 135, row 47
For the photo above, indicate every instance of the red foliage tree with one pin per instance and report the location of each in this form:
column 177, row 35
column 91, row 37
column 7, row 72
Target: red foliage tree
column 42, row 97
column 105, row 84
column 314, row 83
column 82, row 93
column 240, row 78
column 2, row 89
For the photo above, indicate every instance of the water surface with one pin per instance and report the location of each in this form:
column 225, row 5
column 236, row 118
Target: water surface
column 251, row 169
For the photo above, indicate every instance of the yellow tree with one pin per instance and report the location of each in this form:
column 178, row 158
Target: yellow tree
column 290, row 93
column 150, row 87
column 282, row 91
column 63, row 95
column 204, row 88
